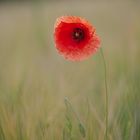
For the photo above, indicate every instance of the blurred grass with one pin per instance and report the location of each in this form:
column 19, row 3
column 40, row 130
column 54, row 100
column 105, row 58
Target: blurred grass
column 34, row 79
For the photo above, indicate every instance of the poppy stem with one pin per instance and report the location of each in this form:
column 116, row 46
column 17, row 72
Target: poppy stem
column 106, row 95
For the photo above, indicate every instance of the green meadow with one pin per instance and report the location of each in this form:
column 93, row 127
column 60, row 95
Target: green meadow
column 45, row 97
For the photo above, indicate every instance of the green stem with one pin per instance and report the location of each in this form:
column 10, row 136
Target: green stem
column 81, row 127
column 106, row 95
column 68, row 103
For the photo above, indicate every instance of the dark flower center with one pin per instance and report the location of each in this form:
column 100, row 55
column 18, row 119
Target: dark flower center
column 78, row 34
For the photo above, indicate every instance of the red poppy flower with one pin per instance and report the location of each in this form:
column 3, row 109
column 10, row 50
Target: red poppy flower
column 75, row 38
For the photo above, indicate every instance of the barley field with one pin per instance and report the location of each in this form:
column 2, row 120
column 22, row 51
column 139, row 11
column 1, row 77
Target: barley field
column 45, row 97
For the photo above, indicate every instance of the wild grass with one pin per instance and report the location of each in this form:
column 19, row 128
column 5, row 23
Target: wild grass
column 44, row 97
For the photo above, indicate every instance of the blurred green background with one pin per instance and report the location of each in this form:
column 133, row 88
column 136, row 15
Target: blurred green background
column 35, row 80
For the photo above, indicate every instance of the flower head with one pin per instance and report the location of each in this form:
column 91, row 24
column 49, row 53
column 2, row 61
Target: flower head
column 75, row 38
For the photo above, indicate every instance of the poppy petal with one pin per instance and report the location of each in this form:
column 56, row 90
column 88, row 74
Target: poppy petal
column 75, row 38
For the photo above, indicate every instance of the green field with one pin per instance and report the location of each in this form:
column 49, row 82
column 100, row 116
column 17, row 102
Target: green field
column 45, row 97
